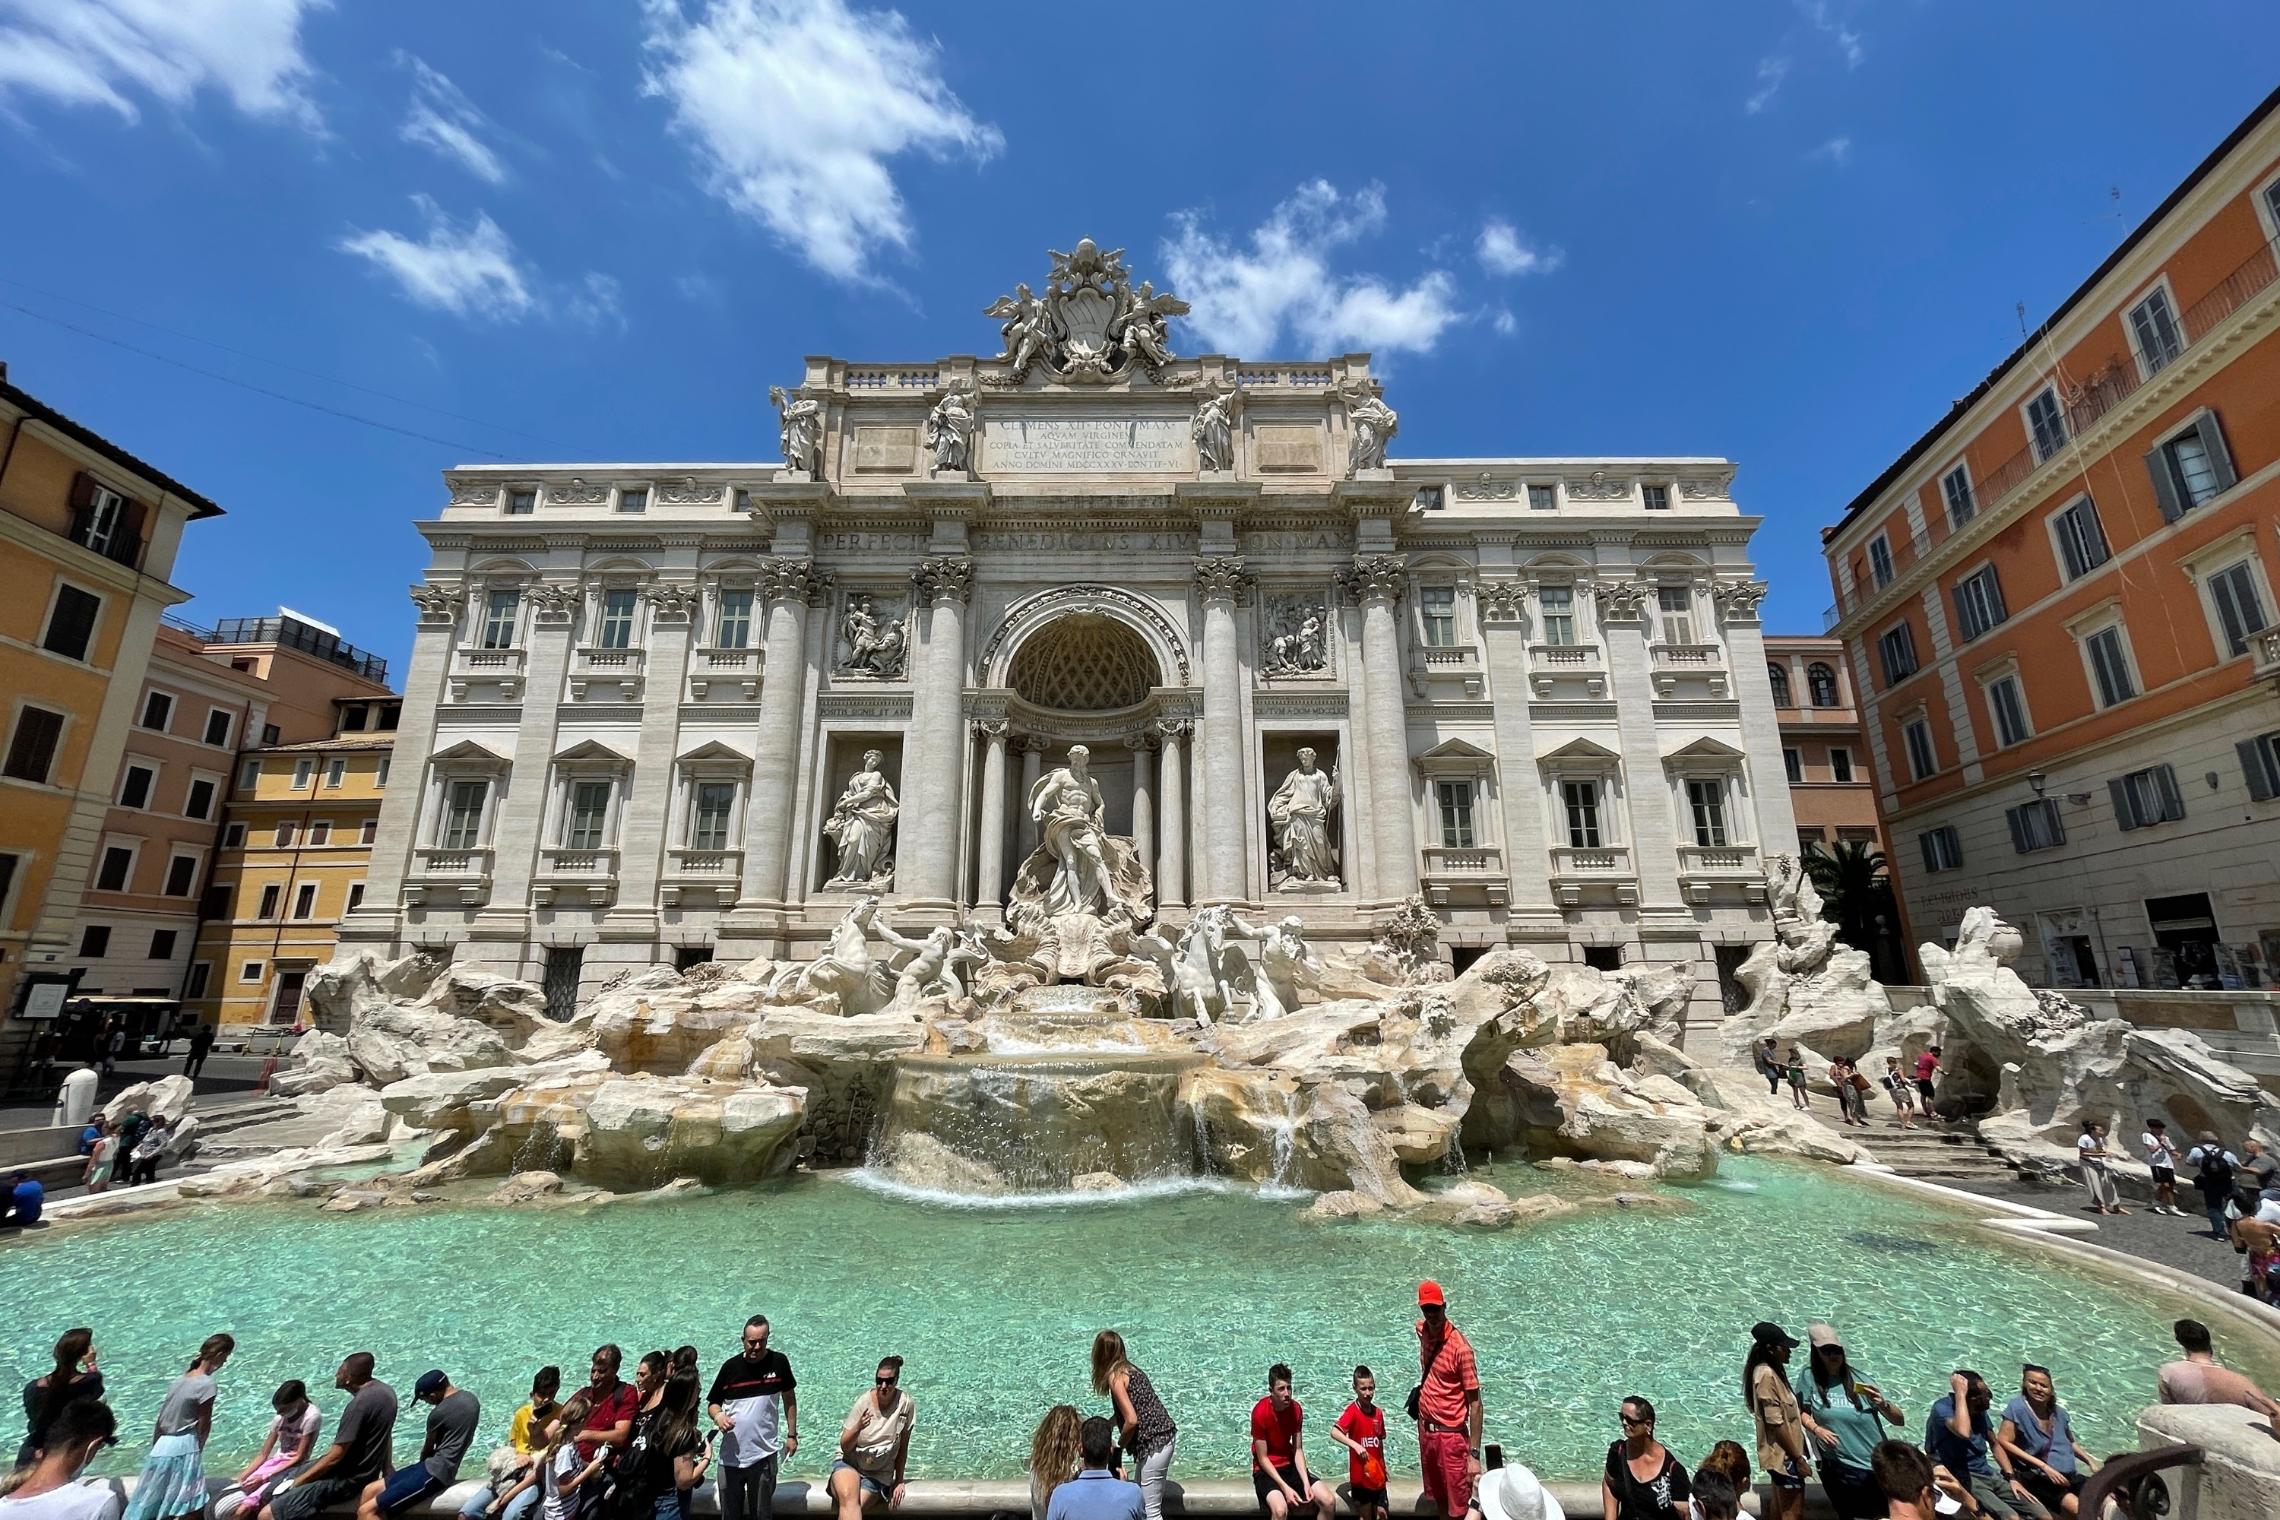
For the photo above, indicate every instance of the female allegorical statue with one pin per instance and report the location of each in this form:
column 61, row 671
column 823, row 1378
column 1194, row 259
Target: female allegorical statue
column 862, row 827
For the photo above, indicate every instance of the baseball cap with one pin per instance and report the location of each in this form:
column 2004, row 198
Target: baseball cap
column 1821, row 1333
column 1429, row 1292
column 431, row 1383
column 1767, row 1331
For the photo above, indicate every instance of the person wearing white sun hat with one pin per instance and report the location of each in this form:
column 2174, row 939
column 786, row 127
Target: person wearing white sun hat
column 1514, row 1493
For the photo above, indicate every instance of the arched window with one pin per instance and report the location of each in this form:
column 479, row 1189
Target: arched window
column 1821, row 682
column 1779, row 676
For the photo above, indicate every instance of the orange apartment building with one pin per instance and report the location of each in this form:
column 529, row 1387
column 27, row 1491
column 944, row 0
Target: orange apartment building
column 88, row 535
column 245, row 685
column 2059, row 607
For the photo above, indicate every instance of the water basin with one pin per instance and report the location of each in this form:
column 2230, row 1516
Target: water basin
column 995, row 1307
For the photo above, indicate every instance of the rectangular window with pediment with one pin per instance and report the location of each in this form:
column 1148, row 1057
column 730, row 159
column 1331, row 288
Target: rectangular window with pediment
column 1581, row 801
column 586, row 819
column 710, row 810
column 1676, row 603
column 500, row 609
column 614, row 628
column 463, row 815
column 732, row 629
column 1437, row 605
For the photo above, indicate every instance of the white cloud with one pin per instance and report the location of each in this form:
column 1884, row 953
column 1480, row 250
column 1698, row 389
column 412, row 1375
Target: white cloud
column 1249, row 292
column 469, row 272
column 110, row 53
column 699, row 288
column 1771, row 71
column 795, row 109
column 1503, row 250
column 443, row 118
column 1837, row 151
column 1844, row 38
column 1504, row 322
column 594, row 302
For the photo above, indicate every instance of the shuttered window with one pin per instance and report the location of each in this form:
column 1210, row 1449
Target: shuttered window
column 1979, row 602
column 2260, row 764
column 1955, row 485
column 31, row 749
column 2081, row 538
column 1896, row 647
column 2147, row 797
column 2154, row 326
column 2047, row 422
column 71, row 622
column 2110, row 665
column 2190, row 466
column 1943, row 851
column 2035, row 826
column 2240, row 610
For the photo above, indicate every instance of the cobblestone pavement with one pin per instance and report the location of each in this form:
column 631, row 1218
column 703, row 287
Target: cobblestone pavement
column 2181, row 1243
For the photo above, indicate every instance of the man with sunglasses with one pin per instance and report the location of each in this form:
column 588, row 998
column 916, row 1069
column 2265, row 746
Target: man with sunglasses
column 1448, row 1411
column 754, row 1405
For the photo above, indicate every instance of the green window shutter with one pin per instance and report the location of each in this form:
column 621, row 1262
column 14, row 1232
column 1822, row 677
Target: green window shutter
column 2220, row 459
column 2123, row 813
column 2164, row 484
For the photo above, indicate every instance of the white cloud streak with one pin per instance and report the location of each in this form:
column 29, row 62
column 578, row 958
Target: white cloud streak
column 444, row 119
column 795, row 110
column 1847, row 42
column 1249, row 292
column 1837, row 152
column 114, row 54
column 471, row 271
column 1771, row 71
column 1503, row 250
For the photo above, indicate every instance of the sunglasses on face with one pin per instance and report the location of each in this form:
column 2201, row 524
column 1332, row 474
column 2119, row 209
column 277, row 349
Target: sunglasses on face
column 887, row 1382
column 751, row 1344
column 1632, row 1419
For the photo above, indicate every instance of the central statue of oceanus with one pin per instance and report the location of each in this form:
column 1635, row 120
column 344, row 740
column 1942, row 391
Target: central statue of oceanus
column 1084, row 889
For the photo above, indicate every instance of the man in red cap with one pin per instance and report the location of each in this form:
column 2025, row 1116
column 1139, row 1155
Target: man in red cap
column 1448, row 1405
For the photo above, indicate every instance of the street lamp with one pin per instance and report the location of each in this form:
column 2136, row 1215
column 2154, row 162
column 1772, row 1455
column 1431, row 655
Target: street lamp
column 2038, row 781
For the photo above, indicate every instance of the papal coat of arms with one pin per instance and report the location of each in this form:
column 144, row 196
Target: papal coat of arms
column 1093, row 325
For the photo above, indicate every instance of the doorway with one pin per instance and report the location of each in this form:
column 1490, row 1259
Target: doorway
column 2184, row 938
column 285, row 995
column 1731, row 995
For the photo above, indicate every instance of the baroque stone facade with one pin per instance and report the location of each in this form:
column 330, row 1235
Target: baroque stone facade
column 644, row 703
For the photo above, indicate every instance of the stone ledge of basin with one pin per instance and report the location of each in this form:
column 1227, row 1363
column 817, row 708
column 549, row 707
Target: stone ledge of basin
column 2025, row 1222
column 990, row 1496
column 2238, row 1476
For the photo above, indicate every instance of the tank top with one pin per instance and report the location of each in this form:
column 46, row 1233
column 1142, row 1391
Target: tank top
column 1152, row 1427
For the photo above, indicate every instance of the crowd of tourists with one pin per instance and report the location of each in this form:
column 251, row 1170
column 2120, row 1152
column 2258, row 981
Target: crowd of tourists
column 640, row 1450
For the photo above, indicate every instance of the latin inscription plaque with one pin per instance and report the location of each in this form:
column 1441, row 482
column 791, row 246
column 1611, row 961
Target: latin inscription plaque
column 1086, row 445
column 886, row 448
column 1282, row 447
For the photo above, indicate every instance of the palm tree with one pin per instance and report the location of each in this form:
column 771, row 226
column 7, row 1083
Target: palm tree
column 1856, row 896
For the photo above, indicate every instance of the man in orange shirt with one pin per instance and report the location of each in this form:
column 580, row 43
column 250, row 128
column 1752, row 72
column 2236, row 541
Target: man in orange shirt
column 1448, row 1406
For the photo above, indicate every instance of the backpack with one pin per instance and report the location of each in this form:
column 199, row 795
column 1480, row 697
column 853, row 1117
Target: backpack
column 2216, row 1172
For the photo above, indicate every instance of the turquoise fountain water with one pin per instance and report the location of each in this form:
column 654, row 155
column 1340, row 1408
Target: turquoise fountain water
column 995, row 1307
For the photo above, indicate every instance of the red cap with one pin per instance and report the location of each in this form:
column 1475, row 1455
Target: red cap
column 1429, row 1292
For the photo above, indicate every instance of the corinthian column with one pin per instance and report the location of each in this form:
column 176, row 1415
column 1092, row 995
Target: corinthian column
column 1376, row 581
column 1143, row 795
column 926, row 853
column 1171, row 858
column 783, row 585
column 989, row 879
column 1219, row 744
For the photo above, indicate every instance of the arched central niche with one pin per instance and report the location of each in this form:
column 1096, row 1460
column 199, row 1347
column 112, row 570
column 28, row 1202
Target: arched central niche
column 1084, row 662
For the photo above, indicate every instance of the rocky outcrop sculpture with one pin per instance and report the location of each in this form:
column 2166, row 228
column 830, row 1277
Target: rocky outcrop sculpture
column 1805, row 987
column 2037, row 1065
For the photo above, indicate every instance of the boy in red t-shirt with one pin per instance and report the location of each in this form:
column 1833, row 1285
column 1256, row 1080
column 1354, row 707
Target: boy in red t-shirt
column 1278, row 1456
column 1361, row 1430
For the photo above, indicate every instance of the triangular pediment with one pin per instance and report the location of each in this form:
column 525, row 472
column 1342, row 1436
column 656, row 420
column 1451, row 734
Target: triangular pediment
column 1583, row 749
column 1706, row 748
column 715, row 752
column 1456, row 749
column 593, row 749
column 468, row 752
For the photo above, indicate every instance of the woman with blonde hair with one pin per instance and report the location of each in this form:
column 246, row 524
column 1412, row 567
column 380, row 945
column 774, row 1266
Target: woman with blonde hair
column 1056, row 1451
column 173, row 1478
column 1143, row 1426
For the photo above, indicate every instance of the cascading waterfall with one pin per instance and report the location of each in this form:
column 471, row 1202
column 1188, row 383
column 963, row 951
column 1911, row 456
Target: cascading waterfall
column 1000, row 1125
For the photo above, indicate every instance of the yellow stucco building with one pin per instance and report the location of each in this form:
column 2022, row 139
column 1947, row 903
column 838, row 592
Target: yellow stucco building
column 295, row 845
column 88, row 535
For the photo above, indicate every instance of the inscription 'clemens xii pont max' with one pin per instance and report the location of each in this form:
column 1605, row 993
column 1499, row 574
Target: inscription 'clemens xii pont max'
column 1083, row 445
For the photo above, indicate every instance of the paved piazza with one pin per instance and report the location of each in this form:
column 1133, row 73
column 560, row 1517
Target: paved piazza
column 660, row 712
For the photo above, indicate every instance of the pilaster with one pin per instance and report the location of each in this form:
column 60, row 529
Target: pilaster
column 1223, row 801
column 642, row 831
column 439, row 610
column 784, row 584
column 1527, row 851
column 1376, row 582
column 522, row 812
column 926, row 853
column 1623, row 613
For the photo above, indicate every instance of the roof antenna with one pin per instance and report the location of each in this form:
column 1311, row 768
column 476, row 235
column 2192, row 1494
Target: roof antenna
column 2019, row 309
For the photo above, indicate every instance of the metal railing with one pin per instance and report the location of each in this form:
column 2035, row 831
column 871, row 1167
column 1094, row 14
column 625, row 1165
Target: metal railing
column 2085, row 403
column 292, row 633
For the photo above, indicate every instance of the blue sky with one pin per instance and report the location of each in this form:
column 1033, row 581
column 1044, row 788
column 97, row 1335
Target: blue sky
column 1786, row 232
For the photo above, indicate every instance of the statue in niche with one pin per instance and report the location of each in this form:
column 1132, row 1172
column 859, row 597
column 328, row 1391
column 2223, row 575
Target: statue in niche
column 1082, row 892
column 862, row 830
column 1070, row 815
column 1300, row 812
column 1370, row 424
column 949, row 434
column 1286, row 966
column 875, row 643
column 802, row 432
column 1214, row 430
column 1298, row 637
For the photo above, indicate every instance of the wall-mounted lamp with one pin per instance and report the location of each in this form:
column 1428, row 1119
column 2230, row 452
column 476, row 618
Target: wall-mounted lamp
column 2038, row 781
